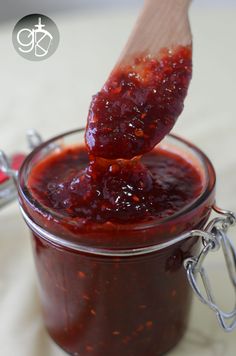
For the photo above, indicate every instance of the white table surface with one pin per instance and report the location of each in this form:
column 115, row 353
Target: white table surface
column 53, row 96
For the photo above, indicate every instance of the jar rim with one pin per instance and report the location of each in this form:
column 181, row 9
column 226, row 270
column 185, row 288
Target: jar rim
column 206, row 192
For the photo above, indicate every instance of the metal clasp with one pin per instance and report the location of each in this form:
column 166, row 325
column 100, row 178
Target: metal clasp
column 33, row 139
column 216, row 238
column 6, row 167
column 8, row 189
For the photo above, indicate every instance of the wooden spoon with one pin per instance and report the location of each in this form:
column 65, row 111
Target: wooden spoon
column 144, row 95
column 162, row 23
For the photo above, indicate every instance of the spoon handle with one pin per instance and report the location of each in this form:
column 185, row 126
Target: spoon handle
column 162, row 23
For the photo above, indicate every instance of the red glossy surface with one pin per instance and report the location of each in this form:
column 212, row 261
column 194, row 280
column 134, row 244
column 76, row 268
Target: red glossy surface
column 139, row 104
column 119, row 191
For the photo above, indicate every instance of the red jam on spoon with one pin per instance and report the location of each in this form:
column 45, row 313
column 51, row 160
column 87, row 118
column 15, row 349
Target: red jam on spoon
column 139, row 104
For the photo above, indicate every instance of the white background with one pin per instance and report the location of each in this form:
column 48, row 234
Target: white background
column 18, row 8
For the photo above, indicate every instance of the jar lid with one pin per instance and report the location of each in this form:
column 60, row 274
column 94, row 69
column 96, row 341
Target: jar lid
column 7, row 185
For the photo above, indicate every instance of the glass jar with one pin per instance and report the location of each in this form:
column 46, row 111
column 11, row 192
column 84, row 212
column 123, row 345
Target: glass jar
column 122, row 289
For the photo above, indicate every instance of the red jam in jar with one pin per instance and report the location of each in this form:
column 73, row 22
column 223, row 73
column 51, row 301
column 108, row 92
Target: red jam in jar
column 153, row 189
column 96, row 216
column 95, row 299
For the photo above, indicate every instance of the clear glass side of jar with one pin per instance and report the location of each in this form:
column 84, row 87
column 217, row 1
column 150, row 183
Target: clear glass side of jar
column 75, row 234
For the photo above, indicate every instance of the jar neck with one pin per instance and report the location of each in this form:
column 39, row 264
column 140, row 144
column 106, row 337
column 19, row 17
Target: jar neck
column 52, row 239
column 113, row 235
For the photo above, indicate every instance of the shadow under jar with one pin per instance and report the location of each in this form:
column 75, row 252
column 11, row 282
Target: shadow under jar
column 115, row 289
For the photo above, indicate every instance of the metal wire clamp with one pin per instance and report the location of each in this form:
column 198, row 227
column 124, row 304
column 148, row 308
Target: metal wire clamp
column 215, row 239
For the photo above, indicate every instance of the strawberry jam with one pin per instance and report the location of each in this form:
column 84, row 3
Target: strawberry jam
column 139, row 104
column 120, row 192
column 129, row 305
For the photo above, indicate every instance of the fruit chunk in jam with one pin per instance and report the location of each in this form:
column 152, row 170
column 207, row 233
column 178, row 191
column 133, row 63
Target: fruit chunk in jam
column 139, row 104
